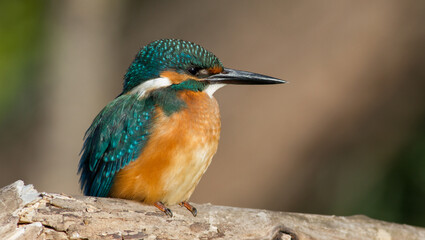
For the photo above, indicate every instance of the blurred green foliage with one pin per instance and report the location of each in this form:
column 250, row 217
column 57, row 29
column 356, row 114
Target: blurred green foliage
column 21, row 27
column 399, row 196
column 394, row 192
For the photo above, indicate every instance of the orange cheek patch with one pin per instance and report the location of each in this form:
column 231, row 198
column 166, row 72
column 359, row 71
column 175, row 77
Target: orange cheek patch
column 176, row 77
column 215, row 70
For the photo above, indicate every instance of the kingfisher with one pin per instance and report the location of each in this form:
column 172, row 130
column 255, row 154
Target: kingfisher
column 155, row 140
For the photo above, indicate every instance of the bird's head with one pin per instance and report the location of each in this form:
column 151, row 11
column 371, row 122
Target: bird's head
column 183, row 65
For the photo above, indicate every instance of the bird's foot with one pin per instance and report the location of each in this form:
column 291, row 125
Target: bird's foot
column 163, row 208
column 189, row 207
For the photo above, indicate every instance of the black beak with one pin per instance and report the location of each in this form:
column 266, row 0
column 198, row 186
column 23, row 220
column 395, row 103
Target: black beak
column 232, row 76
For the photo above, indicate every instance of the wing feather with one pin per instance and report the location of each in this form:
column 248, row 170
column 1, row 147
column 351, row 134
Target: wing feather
column 115, row 138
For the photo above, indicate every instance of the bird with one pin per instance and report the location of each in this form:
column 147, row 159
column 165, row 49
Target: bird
column 156, row 139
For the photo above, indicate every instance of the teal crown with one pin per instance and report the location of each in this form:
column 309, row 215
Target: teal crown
column 167, row 54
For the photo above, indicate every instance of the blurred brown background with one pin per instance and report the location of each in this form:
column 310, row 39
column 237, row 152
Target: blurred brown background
column 345, row 136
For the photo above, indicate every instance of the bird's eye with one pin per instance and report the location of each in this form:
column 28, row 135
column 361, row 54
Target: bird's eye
column 198, row 72
column 193, row 70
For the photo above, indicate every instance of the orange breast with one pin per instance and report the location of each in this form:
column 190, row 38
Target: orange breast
column 178, row 152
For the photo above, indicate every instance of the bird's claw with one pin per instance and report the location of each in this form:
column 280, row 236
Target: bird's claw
column 189, row 207
column 163, row 208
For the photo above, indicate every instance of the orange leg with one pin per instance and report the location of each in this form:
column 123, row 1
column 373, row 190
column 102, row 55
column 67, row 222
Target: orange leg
column 163, row 208
column 189, row 207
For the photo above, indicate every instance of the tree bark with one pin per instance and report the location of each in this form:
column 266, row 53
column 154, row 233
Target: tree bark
column 28, row 214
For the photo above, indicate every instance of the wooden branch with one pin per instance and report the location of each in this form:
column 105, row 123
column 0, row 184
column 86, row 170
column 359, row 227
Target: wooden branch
column 27, row 214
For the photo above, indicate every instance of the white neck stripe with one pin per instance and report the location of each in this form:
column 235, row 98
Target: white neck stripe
column 147, row 86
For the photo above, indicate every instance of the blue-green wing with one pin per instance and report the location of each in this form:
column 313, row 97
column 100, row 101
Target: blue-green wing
column 115, row 138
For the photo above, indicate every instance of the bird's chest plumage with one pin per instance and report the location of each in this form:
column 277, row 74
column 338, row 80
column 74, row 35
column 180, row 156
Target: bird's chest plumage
column 177, row 154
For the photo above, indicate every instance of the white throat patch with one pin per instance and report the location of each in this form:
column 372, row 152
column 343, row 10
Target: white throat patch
column 149, row 85
column 210, row 89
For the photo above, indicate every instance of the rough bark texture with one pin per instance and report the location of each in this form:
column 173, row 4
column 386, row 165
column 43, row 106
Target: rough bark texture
column 27, row 214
